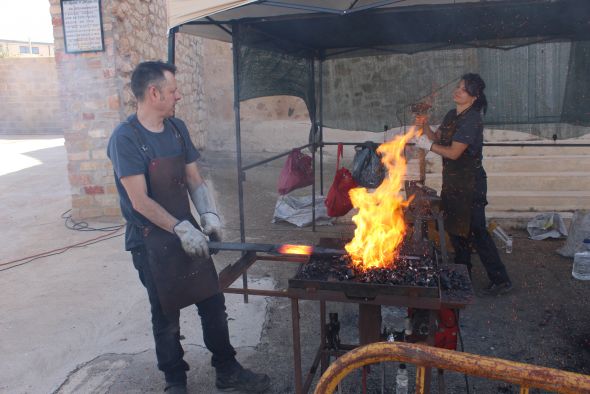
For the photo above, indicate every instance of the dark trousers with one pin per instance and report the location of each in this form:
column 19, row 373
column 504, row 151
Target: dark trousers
column 166, row 329
column 480, row 238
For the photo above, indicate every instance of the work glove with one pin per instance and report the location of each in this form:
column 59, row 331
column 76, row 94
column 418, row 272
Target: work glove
column 423, row 142
column 205, row 205
column 193, row 242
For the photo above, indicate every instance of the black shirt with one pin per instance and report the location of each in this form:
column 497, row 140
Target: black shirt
column 128, row 159
column 469, row 130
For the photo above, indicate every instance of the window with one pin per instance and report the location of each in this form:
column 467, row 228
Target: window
column 35, row 50
column 24, row 49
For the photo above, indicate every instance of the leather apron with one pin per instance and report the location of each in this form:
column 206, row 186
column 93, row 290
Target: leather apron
column 181, row 280
column 458, row 184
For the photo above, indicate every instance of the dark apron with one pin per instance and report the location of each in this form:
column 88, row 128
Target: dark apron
column 458, row 184
column 181, row 280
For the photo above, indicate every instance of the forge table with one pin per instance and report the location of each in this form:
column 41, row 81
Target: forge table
column 369, row 308
column 369, row 317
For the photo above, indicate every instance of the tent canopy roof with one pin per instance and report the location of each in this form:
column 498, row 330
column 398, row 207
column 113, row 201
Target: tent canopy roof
column 406, row 26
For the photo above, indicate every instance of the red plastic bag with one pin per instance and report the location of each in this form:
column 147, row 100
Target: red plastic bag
column 297, row 172
column 338, row 201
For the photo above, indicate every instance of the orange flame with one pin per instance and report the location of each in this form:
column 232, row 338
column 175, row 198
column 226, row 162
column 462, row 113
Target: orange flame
column 380, row 226
column 295, row 249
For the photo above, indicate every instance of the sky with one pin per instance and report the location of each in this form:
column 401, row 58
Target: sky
column 25, row 19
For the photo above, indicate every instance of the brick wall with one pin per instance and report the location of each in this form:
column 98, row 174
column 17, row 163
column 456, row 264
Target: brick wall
column 95, row 94
column 29, row 96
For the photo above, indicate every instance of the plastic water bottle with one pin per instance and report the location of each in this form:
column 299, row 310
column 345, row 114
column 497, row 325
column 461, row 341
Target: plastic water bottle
column 581, row 268
column 401, row 380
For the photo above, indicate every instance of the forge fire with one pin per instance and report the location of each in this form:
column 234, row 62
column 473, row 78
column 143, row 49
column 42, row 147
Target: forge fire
column 380, row 227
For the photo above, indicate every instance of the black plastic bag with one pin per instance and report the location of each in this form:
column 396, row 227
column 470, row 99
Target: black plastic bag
column 367, row 169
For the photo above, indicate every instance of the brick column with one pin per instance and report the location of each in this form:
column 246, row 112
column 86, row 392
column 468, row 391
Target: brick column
column 95, row 94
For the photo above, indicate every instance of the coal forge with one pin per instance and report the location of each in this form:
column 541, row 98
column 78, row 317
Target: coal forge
column 408, row 271
column 410, row 275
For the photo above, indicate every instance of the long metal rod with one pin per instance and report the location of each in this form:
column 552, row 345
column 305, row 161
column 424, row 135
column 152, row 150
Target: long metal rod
column 296, row 345
column 313, row 148
column 272, row 158
column 236, row 58
column 321, row 126
column 515, row 144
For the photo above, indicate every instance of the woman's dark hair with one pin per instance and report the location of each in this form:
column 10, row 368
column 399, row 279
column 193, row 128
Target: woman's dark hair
column 475, row 86
column 148, row 73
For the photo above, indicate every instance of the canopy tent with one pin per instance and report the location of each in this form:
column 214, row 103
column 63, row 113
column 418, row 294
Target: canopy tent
column 533, row 53
column 360, row 64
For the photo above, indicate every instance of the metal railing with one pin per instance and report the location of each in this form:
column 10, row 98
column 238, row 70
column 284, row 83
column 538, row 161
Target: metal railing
column 527, row 376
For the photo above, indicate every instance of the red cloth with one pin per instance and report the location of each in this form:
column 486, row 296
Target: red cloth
column 338, row 201
column 297, row 172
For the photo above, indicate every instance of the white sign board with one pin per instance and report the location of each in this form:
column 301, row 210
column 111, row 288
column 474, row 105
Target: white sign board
column 82, row 25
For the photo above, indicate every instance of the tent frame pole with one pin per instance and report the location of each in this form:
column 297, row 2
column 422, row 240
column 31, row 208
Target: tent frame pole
column 241, row 174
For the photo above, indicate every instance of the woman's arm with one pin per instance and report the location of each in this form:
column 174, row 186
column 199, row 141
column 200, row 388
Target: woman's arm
column 452, row 152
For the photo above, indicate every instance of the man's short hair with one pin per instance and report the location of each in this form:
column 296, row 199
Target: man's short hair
column 148, row 73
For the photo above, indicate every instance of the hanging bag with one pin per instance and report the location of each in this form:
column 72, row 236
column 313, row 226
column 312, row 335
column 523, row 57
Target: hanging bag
column 296, row 173
column 338, row 201
column 367, row 169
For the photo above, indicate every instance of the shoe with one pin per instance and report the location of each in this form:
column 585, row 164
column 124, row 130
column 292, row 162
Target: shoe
column 243, row 380
column 176, row 389
column 496, row 289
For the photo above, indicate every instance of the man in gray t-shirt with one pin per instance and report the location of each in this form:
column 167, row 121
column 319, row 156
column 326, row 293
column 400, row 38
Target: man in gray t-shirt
column 155, row 168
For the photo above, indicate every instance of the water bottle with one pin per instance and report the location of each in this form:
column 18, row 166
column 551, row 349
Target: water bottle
column 401, row 380
column 581, row 268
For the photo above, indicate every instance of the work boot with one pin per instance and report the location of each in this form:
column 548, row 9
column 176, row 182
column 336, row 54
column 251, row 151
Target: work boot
column 176, row 389
column 496, row 289
column 242, row 379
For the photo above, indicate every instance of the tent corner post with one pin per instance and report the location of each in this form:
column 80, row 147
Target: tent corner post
column 236, row 71
column 172, row 44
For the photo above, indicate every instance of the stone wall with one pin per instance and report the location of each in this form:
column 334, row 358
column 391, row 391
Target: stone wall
column 29, row 96
column 95, row 93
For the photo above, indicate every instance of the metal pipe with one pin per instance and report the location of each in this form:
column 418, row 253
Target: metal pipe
column 321, row 126
column 313, row 149
column 296, row 345
column 423, row 356
column 236, row 58
column 259, row 163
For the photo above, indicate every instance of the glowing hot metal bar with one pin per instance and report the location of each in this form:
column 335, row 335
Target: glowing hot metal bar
column 285, row 249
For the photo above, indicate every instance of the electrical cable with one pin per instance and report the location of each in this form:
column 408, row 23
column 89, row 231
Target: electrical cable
column 83, row 226
column 72, row 225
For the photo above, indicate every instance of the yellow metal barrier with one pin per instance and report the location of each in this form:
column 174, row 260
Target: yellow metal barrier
column 525, row 375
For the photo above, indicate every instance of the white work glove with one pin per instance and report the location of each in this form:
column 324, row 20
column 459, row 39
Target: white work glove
column 205, row 205
column 423, row 142
column 192, row 240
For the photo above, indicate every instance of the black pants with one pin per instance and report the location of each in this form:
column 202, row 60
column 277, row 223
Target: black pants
column 166, row 329
column 480, row 238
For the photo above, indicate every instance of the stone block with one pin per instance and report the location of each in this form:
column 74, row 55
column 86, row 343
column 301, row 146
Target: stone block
column 79, row 179
column 78, row 156
column 93, row 189
column 88, row 213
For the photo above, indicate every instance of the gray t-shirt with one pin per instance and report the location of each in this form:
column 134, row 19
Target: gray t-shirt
column 128, row 158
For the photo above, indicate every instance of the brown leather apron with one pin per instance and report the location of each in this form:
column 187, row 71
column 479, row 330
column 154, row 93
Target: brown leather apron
column 458, row 184
column 181, row 280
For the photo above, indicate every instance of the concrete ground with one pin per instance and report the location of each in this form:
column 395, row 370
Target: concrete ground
column 78, row 321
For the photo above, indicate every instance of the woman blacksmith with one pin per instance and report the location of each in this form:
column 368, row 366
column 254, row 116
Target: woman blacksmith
column 459, row 140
